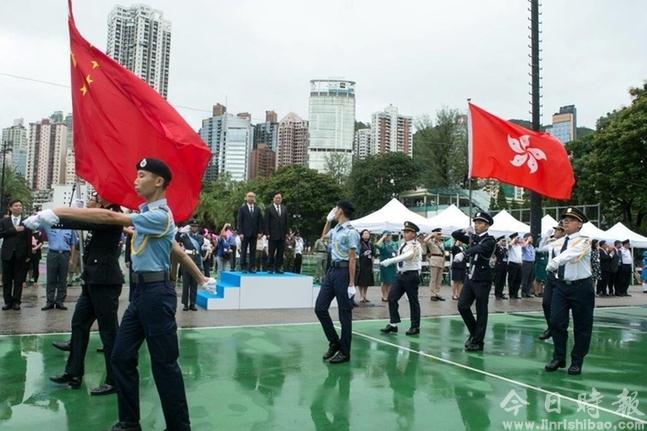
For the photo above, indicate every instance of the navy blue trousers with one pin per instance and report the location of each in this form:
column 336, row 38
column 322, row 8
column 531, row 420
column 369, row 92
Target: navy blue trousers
column 478, row 291
column 335, row 285
column 547, row 296
column 150, row 316
column 578, row 297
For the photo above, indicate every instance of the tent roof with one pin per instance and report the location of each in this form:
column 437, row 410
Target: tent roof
column 391, row 217
column 450, row 219
column 592, row 231
column 505, row 224
column 622, row 232
column 547, row 223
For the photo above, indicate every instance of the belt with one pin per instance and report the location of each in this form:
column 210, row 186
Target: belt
column 408, row 272
column 59, row 251
column 191, row 252
column 340, row 264
column 574, row 282
column 150, row 277
column 438, row 255
column 514, row 263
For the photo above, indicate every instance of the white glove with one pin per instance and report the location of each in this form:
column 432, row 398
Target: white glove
column 459, row 257
column 552, row 266
column 351, row 291
column 331, row 214
column 386, row 262
column 77, row 203
column 48, row 217
column 32, row 222
column 209, row 285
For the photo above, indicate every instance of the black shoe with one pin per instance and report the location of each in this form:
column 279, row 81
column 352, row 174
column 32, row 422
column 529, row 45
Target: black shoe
column 279, row 271
column 437, row 298
column 6, row 307
column 412, row 331
column 48, row 307
column 185, row 308
column 193, row 308
column 270, row 272
column 100, row 350
column 252, row 271
column 72, row 381
column 388, row 329
column 574, row 370
column 126, row 426
column 60, row 306
column 527, row 296
column 16, row 306
column 554, row 365
column 339, row 358
column 545, row 335
column 333, row 348
column 468, row 341
column 104, row 389
column 474, row 347
column 62, row 345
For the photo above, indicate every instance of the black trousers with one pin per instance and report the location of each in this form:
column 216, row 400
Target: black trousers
column 98, row 302
column 298, row 261
column 335, row 285
column 603, row 282
column 405, row 283
column 578, row 298
column 527, row 277
column 625, row 278
column 276, row 248
column 248, row 246
column 35, row 268
column 478, row 291
column 617, row 281
column 514, row 279
column 547, row 297
column 14, row 272
column 189, row 290
column 500, row 271
column 150, row 316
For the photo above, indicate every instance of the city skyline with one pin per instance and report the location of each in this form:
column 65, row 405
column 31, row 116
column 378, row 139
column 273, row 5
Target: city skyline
column 424, row 68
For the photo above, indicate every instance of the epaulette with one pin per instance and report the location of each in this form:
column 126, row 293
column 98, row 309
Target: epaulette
column 164, row 208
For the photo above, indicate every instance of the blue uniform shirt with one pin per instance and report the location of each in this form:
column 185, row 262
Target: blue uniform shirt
column 528, row 253
column 153, row 238
column 342, row 239
column 60, row 239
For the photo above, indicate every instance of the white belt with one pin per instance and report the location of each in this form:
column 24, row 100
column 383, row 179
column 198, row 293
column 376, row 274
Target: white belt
column 191, row 252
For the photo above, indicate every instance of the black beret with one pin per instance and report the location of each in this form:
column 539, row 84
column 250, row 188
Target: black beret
column 576, row 214
column 411, row 226
column 437, row 230
column 155, row 166
column 483, row 216
column 193, row 222
column 514, row 235
column 346, row 206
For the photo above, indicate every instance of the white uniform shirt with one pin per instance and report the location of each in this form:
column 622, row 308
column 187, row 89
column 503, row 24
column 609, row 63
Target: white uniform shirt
column 551, row 245
column 514, row 253
column 576, row 258
column 410, row 256
column 625, row 256
column 298, row 246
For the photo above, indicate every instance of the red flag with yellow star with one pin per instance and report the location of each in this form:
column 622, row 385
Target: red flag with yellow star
column 118, row 120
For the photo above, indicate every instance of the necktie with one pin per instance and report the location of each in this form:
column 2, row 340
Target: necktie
column 400, row 252
column 251, row 209
column 560, row 271
column 16, row 221
column 278, row 210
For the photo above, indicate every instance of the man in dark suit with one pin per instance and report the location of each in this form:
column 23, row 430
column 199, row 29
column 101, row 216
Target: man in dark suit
column 479, row 279
column 16, row 250
column 250, row 226
column 276, row 227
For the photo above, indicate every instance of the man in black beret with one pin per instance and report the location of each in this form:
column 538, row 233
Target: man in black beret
column 479, row 280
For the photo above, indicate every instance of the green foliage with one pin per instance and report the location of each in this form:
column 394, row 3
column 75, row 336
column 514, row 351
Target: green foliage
column 339, row 165
column 610, row 164
column 360, row 125
column 15, row 187
column 440, row 150
column 376, row 179
column 501, row 203
column 220, row 200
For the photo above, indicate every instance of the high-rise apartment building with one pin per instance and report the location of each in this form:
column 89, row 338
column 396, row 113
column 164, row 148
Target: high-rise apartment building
column 46, row 153
column 139, row 38
column 331, row 121
column 391, row 132
column 292, row 141
column 14, row 146
column 362, row 147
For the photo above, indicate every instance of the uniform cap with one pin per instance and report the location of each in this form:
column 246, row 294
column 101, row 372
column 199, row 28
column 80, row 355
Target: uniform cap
column 514, row 235
column 576, row 214
column 411, row 226
column 483, row 216
column 437, row 230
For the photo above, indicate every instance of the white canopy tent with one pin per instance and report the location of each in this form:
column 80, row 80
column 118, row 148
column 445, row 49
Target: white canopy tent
column 450, row 219
column 622, row 232
column 592, row 231
column 547, row 224
column 506, row 224
column 391, row 217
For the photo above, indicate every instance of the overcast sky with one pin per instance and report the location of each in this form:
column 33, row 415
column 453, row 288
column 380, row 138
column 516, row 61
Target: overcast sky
column 419, row 55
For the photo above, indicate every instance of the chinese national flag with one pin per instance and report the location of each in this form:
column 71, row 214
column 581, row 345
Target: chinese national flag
column 119, row 120
column 515, row 155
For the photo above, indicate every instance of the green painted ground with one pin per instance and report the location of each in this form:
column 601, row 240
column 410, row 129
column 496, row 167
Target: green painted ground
column 272, row 378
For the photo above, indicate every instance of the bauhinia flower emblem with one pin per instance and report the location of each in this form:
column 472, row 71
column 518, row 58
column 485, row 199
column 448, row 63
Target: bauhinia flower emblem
column 525, row 153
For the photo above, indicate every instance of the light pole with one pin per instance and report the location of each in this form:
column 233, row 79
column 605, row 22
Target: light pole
column 535, row 198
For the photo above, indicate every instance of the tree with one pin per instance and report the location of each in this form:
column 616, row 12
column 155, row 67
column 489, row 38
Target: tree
column 338, row 165
column 309, row 196
column 376, row 179
column 14, row 187
column 440, row 150
column 610, row 164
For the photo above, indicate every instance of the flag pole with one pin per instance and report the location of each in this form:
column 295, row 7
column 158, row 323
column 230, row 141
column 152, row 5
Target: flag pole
column 469, row 159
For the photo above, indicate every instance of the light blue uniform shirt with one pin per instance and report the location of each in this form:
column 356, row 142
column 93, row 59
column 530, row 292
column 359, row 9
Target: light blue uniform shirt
column 343, row 238
column 528, row 253
column 60, row 239
column 153, row 238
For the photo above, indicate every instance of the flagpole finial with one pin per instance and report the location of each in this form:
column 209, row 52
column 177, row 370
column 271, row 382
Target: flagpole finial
column 469, row 99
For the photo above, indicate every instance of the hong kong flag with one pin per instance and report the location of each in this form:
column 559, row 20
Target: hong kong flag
column 515, row 155
column 119, row 120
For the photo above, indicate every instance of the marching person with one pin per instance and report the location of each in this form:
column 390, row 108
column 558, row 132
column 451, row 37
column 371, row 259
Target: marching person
column 500, row 267
column 409, row 264
column 479, row 278
column 573, row 291
column 151, row 313
column 552, row 245
column 339, row 282
column 192, row 243
column 434, row 243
